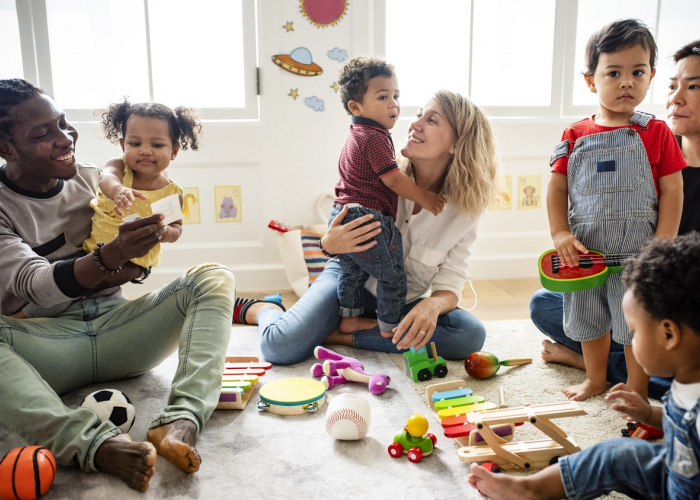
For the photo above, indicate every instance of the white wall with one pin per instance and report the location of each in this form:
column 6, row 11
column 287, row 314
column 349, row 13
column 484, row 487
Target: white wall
column 288, row 158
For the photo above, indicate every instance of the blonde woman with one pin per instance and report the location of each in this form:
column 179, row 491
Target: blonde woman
column 450, row 151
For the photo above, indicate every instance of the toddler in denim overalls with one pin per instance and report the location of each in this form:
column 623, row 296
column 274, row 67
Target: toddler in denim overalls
column 660, row 306
column 609, row 174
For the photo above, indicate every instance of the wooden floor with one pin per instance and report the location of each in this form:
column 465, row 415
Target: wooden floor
column 497, row 299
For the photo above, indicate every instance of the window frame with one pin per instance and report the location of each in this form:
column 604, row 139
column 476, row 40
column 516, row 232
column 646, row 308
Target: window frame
column 36, row 61
column 563, row 60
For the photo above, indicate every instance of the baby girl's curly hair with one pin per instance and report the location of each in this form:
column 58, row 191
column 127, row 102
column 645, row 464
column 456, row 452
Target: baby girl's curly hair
column 354, row 77
column 184, row 127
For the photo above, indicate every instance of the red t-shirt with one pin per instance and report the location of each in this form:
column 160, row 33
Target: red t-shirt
column 367, row 156
column 665, row 156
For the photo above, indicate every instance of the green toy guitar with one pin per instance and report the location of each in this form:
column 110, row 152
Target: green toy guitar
column 592, row 271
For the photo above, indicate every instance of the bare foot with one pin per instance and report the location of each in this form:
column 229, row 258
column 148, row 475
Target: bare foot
column 587, row 389
column 497, row 485
column 557, row 353
column 175, row 441
column 133, row 463
column 358, row 324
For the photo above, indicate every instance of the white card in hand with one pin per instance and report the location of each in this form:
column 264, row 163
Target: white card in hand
column 168, row 207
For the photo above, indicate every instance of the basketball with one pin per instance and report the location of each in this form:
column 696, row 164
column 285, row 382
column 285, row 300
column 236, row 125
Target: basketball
column 26, row 473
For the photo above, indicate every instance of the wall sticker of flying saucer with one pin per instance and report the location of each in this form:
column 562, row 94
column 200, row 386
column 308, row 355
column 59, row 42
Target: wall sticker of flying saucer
column 324, row 13
column 298, row 62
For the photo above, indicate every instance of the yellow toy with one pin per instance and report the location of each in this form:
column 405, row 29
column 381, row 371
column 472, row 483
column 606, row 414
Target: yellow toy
column 413, row 440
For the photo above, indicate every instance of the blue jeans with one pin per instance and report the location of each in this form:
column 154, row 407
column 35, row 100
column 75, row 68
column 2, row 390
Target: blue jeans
column 103, row 339
column 547, row 313
column 630, row 466
column 383, row 261
column 288, row 338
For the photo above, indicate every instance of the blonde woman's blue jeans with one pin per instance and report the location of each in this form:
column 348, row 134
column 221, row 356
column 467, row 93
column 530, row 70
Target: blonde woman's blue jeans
column 104, row 339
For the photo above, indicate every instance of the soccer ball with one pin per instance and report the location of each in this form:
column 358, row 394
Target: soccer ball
column 112, row 405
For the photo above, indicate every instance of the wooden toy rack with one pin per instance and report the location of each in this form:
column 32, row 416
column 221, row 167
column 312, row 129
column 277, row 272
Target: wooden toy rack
column 522, row 454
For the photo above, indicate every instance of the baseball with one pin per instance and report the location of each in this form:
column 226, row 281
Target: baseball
column 348, row 417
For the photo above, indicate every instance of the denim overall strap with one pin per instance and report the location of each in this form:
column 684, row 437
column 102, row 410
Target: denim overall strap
column 609, row 177
column 683, row 444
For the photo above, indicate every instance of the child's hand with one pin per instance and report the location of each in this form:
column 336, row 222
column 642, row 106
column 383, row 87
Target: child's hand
column 567, row 247
column 433, row 202
column 123, row 198
column 634, row 406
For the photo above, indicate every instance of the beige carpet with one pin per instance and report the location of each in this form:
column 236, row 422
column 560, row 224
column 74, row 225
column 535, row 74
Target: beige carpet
column 251, row 455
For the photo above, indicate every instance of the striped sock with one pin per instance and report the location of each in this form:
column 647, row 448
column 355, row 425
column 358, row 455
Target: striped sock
column 240, row 307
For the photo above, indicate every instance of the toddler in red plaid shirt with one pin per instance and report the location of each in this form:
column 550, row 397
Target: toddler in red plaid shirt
column 371, row 182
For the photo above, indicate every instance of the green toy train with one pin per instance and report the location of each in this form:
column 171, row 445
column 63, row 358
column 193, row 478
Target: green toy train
column 421, row 367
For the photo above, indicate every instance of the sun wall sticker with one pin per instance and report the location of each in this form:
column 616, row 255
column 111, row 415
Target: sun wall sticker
column 190, row 208
column 324, row 13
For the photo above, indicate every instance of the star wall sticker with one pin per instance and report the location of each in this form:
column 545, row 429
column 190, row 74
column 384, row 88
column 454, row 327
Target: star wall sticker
column 335, row 86
column 289, row 26
column 294, row 93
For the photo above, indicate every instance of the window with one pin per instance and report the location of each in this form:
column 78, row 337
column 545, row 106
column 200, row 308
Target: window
column 177, row 52
column 518, row 58
column 593, row 15
column 10, row 55
column 503, row 61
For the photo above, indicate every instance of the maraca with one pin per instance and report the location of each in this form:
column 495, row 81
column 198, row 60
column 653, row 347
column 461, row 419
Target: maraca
column 481, row 364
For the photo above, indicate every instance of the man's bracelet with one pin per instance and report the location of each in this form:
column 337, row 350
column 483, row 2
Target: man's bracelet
column 98, row 259
column 323, row 251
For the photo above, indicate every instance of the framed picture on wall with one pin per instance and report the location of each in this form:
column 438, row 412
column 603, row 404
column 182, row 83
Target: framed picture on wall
column 228, row 203
column 190, row 206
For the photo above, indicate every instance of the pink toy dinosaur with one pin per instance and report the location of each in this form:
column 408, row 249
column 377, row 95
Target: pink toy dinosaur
column 339, row 369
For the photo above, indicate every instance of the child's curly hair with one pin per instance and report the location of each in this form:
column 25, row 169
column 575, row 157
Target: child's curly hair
column 354, row 77
column 665, row 279
column 184, row 127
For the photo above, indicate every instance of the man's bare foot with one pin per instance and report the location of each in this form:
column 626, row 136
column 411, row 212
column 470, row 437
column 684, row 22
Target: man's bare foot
column 175, row 441
column 497, row 485
column 558, row 353
column 358, row 324
column 587, row 389
column 133, row 463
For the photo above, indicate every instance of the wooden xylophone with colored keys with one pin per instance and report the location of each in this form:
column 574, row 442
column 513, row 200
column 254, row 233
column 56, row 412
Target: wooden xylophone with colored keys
column 241, row 373
column 450, row 402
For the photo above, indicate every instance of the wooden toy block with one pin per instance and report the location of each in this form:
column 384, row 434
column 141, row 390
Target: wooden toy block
column 522, row 454
column 456, row 393
column 238, row 380
column 456, row 402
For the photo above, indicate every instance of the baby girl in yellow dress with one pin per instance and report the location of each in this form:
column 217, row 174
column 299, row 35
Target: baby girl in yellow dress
column 150, row 135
